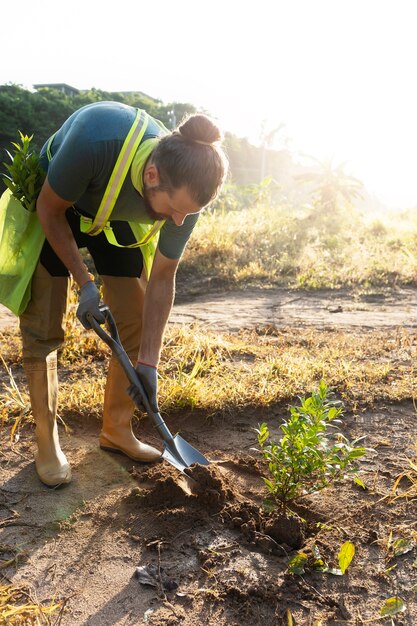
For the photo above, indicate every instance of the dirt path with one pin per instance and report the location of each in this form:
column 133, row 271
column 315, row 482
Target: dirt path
column 280, row 307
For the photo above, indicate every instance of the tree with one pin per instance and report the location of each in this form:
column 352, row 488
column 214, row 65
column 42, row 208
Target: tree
column 15, row 112
column 332, row 188
column 333, row 193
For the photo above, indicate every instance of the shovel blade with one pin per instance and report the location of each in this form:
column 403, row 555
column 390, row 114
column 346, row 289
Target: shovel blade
column 181, row 454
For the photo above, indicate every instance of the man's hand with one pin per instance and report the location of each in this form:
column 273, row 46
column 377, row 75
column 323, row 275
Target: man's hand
column 148, row 376
column 89, row 303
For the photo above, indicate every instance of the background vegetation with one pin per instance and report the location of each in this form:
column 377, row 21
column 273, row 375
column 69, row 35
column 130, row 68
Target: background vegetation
column 255, row 236
column 275, row 223
column 43, row 111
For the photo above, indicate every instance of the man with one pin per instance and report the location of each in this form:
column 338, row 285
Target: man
column 112, row 170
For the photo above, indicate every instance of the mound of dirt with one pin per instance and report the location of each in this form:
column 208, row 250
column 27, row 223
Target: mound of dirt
column 212, row 489
column 203, row 486
column 270, row 531
column 211, row 486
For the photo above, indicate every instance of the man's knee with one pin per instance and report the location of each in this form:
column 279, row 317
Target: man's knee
column 41, row 324
column 125, row 296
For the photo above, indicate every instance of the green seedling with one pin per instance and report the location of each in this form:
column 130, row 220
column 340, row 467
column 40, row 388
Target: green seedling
column 314, row 561
column 25, row 175
column 306, row 459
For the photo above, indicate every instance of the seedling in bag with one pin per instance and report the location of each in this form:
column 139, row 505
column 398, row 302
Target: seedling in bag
column 25, row 175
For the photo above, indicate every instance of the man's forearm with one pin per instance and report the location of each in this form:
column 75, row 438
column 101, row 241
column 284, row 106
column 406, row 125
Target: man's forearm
column 158, row 303
column 51, row 210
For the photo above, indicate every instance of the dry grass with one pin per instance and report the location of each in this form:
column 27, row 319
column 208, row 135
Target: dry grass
column 405, row 485
column 293, row 246
column 219, row 373
column 267, row 244
column 224, row 372
column 19, row 607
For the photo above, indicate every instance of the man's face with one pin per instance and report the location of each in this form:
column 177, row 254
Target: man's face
column 161, row 205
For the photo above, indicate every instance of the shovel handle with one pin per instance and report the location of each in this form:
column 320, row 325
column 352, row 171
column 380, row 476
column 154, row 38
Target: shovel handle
column 113, row 341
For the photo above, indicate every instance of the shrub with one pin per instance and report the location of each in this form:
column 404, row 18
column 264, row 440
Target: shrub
column 306, row 458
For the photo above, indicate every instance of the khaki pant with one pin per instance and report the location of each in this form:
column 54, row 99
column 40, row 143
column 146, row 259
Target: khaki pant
column 42, row 331
column 41, row 325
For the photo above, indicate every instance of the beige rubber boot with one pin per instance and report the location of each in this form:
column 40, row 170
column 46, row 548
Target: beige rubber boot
column 42, row 333
column 124, row 296
column 117, row 434
column 51, row 464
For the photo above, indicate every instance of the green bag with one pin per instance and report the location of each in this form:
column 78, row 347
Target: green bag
column 21, row 241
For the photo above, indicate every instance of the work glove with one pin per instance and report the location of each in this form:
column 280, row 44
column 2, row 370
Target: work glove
column 148, row 376
column 89, row 300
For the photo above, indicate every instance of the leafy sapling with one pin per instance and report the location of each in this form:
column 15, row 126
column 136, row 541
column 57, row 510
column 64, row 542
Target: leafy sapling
column 312, row 452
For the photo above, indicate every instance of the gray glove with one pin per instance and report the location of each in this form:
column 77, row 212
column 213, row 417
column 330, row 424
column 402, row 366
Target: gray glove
column 89, row 303
column 148, row 376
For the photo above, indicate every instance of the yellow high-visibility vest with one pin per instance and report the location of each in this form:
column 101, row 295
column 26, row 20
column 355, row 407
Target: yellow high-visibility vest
column 146, row 235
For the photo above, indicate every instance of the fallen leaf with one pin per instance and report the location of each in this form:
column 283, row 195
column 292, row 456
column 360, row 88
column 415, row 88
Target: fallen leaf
column 392, row 606
column 149, row 575
column 345, row 556
column 402, row 546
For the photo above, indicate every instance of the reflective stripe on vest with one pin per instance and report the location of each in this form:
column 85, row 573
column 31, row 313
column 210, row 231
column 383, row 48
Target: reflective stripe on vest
column 147, row 240
column 48, row 147
column 118, row 175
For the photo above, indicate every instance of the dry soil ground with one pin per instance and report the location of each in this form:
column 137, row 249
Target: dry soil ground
column 125, row 544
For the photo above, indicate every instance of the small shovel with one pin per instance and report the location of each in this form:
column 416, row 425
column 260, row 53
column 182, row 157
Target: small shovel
column 176, row 450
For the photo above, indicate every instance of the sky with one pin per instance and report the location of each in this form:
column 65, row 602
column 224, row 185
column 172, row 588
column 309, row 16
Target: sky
column 338, row 77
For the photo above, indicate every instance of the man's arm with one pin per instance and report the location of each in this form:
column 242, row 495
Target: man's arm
column 159, row 299
column 51, row 210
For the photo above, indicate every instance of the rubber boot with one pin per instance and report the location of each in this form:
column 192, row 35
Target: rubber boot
column 117, row 434
column 51, row 464
column 42, row 333
column 124, row 296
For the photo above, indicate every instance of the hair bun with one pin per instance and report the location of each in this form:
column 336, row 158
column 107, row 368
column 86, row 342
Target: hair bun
column 200, row 128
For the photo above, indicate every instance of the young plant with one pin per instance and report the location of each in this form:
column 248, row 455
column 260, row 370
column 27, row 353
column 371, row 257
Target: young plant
column 314, row 561
column 25, row 175
column 306, row 458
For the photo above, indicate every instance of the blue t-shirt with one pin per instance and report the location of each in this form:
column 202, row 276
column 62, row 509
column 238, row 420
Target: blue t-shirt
column 84, row 152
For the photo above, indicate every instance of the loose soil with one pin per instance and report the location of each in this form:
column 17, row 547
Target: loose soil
column 128, row 544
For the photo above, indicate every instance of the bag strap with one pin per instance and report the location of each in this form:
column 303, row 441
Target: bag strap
column 143, row 237
column 119, row 173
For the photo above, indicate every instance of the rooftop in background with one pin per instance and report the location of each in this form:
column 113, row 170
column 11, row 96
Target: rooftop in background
column 66, row 89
